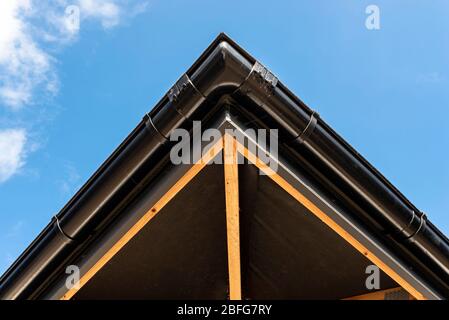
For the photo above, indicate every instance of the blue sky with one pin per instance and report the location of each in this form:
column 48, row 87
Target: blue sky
column 68, row 97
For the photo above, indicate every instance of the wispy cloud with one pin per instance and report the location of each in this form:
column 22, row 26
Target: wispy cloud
column 28, row 27
column 107, row 12
column 23, row 64
column 431, row 77
column 71, row 179
column 12, row 152
column 30, row 30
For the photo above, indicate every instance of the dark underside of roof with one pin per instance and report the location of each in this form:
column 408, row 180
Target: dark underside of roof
column 286, row 252
column 276, row 246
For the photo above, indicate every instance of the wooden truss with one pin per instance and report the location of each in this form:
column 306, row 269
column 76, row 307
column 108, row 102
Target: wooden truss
column 231, row 148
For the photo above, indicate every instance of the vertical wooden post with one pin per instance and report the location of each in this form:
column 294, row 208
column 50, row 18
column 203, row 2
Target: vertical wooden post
column 232, row 216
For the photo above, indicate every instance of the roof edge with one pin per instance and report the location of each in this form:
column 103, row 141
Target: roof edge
column 223, row 69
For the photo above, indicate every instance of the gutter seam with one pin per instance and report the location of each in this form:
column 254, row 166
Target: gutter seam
column 150, row 126
column 421, row 224
column 176, row 91
column 58, row 226
column 308, row 130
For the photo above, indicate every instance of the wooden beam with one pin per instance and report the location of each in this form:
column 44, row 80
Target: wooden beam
column 150, row 214
column 231, row 148
column 388, row 294
column 328, row 221
column 232, row 217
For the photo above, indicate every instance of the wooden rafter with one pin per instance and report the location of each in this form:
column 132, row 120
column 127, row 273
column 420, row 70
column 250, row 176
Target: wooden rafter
column 150, row 214
column 231, row 148
column 232, row 217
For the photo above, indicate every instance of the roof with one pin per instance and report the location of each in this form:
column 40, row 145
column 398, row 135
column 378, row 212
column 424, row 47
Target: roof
column 226, row 86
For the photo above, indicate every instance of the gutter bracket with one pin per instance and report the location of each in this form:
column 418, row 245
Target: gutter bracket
column 152, row 128
column 57, row 225
column 422, row 222
column 310, row 127
column 182, row 94
column 263, row 77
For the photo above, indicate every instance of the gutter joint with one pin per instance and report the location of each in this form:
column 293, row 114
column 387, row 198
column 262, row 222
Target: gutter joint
column 310, row 127
column 184, row 89
column 58, row 226
column 152, row 128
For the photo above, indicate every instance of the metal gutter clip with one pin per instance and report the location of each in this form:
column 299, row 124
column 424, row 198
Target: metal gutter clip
column 308, row 130
column 59, row 228
column 264, row 77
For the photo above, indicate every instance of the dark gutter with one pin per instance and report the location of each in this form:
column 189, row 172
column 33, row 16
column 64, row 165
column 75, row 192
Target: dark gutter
column 223, row 69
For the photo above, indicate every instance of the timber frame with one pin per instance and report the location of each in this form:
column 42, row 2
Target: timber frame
column 229, row 148
column 228, row 89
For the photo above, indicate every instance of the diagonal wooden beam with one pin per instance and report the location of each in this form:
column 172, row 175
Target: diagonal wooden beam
column 232, row 216
column 328, row 221
column 150, row 214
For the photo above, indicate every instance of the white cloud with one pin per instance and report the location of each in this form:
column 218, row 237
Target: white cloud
column 28, row 27
column 29, row 31
column 12, row 152
column 107, row 12
column 23, row 64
